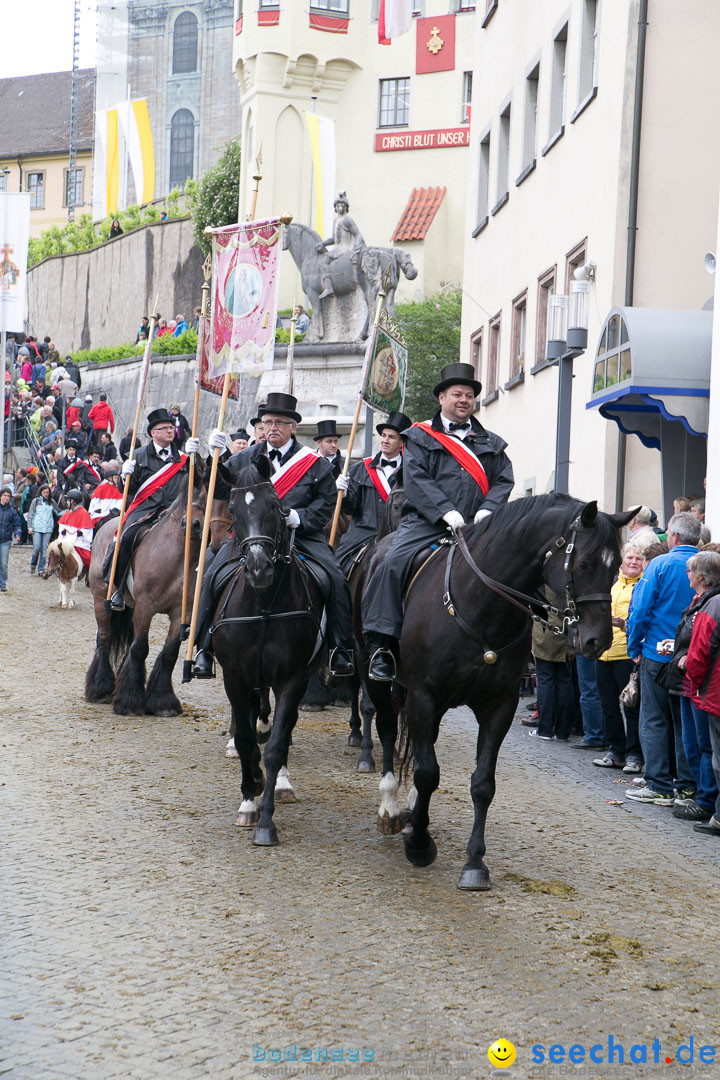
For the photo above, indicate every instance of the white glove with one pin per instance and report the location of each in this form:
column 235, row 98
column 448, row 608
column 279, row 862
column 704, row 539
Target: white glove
column 342, row 483
column 454, row 519
column 292, row 519
column 192, row 445
column 217, row 440
column 128, row 468
column 481, row 515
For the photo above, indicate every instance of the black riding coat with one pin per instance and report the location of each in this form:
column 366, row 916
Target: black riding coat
column 337, row 464
column 365, row 503
column 436, row 483
column 147, row 463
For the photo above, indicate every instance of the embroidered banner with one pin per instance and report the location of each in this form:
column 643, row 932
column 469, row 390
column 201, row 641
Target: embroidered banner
column 385, row 368
column 244, row 297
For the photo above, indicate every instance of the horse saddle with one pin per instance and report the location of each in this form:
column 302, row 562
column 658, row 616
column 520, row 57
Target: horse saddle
column 418, row 563
column 350, row 558
column 140, row 535
column 317, row 573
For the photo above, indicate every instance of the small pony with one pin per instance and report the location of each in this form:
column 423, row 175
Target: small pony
column 64, row 561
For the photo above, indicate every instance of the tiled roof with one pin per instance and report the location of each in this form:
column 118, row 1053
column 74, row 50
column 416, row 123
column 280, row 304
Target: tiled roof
column 35, row 113
column 417, row 217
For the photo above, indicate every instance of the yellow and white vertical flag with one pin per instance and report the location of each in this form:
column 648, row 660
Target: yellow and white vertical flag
column 125, row 125
column 135, row 125
column 321, row 130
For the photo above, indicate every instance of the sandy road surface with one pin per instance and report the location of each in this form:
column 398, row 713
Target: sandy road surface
column 143, row 936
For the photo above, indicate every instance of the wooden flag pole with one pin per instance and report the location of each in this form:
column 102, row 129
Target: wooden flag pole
column 131, row 456
column 382, row 293
column 188, row 663
column 290, row 365
column 202, row 331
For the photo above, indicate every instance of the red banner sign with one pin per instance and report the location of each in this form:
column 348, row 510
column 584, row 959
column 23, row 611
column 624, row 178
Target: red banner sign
column 436, row 139
column 435, row 50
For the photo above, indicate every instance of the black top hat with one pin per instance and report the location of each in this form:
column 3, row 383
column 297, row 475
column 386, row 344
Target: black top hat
column 282, row 405
column 398, row 421
column 256, row 419
column 326, row 429
column 457, row 375
column 71, row 444
column 159, row 416
column 241, row 433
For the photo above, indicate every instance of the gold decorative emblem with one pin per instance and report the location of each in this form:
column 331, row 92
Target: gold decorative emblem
column 435, row 42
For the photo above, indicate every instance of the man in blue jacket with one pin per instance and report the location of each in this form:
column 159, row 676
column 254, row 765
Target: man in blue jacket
column 10, row 526
column 659, row 599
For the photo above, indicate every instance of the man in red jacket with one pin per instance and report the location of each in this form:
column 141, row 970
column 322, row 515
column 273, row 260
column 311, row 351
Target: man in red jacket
column 102, row 419
column 703, row 671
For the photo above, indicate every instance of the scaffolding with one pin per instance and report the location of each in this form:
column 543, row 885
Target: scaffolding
column 71, row 181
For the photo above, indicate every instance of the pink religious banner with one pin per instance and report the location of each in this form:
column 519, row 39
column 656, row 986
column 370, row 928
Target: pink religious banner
column 207, row 382
column 244, row 298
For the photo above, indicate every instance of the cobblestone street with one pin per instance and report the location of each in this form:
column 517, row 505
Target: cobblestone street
column 143, row 936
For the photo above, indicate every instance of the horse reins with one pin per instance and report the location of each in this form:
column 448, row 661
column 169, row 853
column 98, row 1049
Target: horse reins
column 569, row 615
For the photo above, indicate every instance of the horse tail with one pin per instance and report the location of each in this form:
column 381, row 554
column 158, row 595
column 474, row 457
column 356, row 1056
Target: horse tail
column 404, row 741
column 121, row 636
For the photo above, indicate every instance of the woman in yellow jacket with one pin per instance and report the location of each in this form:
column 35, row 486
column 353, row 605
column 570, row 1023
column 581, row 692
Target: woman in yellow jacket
column 613, row 670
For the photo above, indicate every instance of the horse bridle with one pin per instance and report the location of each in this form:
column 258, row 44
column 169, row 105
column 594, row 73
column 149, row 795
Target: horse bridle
column 569, row 616
column 271, row 543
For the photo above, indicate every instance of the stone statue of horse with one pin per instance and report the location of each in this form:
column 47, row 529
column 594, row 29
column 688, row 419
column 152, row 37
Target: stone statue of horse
column 361, row 270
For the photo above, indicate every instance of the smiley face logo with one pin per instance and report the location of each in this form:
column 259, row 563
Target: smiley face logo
column 501, row 1054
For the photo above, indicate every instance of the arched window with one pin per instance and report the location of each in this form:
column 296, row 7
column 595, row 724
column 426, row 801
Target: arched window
column 182, row 147
column 185, row 35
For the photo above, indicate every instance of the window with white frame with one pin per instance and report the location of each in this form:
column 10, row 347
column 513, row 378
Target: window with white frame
column 493, row 355
column 484, row 180
column 335, row 7
column 546, row 289
column 557, row 86
column 531, row 107
column 3, row 180
column 35, row 184
column 574, row 259
column 73, row 186
column 394, row 103
column 476, row 342
column 503, row 154
column 588, row 50
column 263, row 4
column 466, row 97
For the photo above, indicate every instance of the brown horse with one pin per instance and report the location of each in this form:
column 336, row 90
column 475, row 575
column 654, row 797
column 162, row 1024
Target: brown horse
column 64, row 561
column 117, row 671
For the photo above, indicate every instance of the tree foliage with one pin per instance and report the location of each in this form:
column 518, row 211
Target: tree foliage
column 432, row 333
column 214, row 199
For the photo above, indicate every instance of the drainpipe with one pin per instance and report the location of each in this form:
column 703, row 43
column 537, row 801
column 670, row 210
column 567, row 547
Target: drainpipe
column 20, row 183
column 632, row 218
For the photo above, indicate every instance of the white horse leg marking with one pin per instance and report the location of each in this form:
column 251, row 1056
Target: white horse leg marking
column 230, row 750
column 63, row 594
column 262, row 727
column 389, row 806
column 412, row 797
column 284, row 792
column 247, row 814
column 71, row 598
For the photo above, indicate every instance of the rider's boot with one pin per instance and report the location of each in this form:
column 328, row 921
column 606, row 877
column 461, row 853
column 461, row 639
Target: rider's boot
column 328, row 290
column 382, row 660
column 204, row 662
column 342, row 661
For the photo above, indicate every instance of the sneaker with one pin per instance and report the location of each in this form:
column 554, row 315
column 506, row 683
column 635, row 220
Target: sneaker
column 32, row 569
column 582, row 745
column 639, row 781
column 708, row 828
column 608, row 762
column 536, row 735
column 632, row 765
column 647, row 795
column 691, row 811
column 684, row 795
column 530, row 721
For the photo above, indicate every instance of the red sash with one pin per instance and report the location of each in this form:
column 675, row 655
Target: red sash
column 293, row 471
column 378, row 478
column 460, row 452
column 155, row 482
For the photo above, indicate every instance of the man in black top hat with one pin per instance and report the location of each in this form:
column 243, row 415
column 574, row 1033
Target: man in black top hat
column 368, row 485
column 308, row 505
column 454, row 472
column 146, row 500
column 257, row 425
column 328, row 440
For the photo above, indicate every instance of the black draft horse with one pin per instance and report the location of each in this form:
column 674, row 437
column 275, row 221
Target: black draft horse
column 265, row 633
column 466, row 638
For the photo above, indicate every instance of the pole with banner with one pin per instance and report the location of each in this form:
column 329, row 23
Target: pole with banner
column 203, row 333
column 142, row 390
column 14, row 239
column 382, row 381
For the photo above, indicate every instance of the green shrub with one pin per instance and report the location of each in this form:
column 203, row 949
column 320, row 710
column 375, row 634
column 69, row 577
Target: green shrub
column 167, row 345
column 214, row 201
column 283, row 335
column 432, row 332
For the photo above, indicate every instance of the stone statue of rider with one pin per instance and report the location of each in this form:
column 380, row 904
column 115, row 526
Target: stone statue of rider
column 345, row 240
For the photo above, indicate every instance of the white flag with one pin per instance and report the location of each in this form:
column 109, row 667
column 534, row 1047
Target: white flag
column 395, row 19
column 14, row 237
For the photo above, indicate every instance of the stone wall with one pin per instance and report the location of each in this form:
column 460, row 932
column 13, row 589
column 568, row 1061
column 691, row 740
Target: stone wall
column 98, row 297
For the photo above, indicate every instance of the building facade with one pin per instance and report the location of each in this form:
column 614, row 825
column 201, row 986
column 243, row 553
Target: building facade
column 178, row 56
column 35, row 144
column 401, row 115
column 590, row 145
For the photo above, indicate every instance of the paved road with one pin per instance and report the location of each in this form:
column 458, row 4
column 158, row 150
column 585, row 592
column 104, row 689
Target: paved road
column 143, row 936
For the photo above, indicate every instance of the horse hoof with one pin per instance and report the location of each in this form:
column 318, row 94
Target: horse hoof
column 265, row 836
column 474, row 879
column 366, row 766
column 419, row 856
column 285, row 795
column 263, row 736
column 389, row 826
column 354, row 739
column 230, row 751
column 247, row 819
